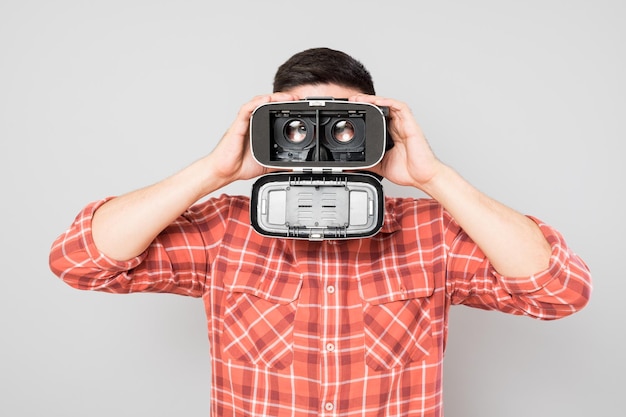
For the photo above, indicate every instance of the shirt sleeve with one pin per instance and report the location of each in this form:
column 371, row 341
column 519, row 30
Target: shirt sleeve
column 175, row 262
column 560, row 290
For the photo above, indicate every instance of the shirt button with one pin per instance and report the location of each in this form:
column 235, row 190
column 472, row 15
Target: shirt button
column 329, row 406
column 330, row 347
column 330, row 289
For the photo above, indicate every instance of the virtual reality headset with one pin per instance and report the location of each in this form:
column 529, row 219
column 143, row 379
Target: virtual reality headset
column 314, row 142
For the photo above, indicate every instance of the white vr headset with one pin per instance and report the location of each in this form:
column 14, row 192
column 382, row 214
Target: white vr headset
column 315, row 141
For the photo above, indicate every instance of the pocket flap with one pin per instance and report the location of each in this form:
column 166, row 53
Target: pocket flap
column 281, row 287
column 385, row 288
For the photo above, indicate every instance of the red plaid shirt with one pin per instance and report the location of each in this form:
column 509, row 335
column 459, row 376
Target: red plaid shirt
column 332, row 328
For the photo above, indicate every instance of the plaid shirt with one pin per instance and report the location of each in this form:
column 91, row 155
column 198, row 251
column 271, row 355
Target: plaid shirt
column 332, row 328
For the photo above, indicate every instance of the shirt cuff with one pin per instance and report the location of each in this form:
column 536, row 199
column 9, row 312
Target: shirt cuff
column 98, row 258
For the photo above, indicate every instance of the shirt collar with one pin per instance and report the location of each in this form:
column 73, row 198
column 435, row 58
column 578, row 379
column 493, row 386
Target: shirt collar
column 390, row 219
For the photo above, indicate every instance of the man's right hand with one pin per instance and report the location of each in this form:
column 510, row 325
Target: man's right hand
column 232, row 159
column 125, row 226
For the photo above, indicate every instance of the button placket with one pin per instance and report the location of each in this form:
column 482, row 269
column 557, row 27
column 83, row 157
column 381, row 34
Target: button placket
column 331, row 270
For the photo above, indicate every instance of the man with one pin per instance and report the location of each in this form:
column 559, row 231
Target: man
column 337, row 327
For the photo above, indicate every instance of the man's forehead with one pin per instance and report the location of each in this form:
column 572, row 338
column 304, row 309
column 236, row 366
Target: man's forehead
column 323, row 90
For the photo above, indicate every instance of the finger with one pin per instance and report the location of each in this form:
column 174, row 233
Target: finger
column 282, row 96
column 247, row 109
column 397, row 109
column 369, row 98
column 242, row 121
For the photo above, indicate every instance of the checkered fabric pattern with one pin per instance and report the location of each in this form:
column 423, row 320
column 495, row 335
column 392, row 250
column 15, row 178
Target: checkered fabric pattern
column 332, row 328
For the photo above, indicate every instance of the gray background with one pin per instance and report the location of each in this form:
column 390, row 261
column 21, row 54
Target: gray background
column 525, row 99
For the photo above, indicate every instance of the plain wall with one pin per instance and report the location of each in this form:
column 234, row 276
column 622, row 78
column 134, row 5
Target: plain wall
column 527, row 100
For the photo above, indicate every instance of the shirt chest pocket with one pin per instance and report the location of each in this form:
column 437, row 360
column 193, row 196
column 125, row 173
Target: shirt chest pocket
column 396, row 318
column 259, row 314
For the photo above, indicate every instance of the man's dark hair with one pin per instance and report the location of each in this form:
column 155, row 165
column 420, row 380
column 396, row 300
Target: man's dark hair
column 323, row 66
